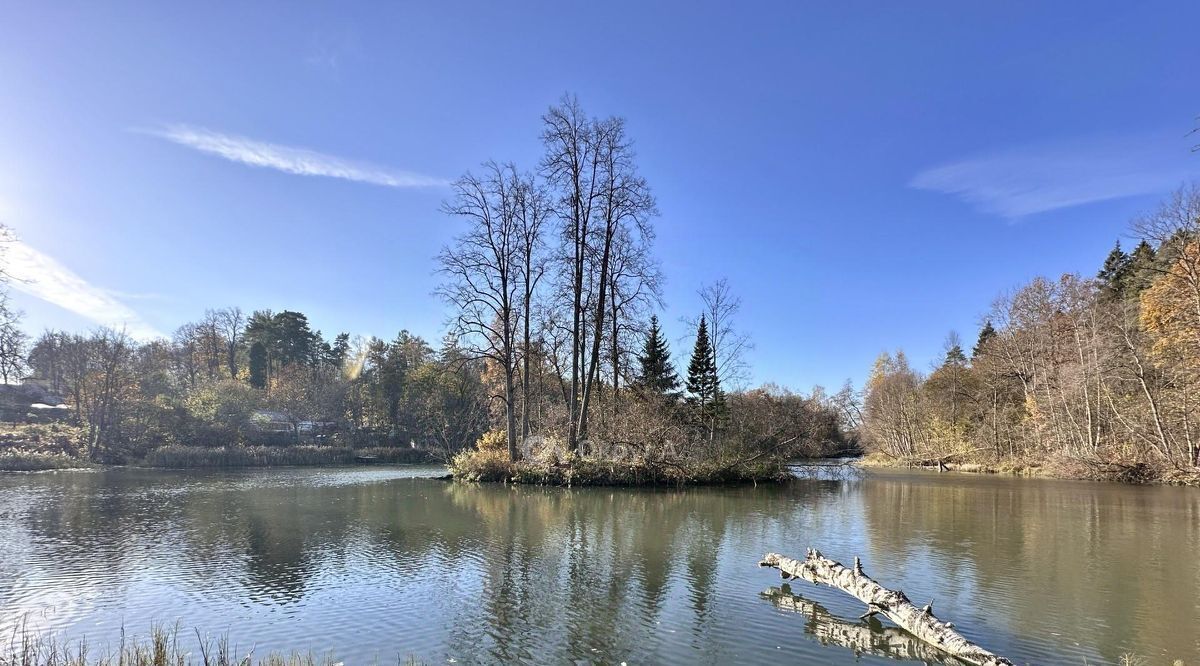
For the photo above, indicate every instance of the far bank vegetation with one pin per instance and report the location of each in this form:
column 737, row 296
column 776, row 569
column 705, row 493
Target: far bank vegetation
column 553, row 291
column 1091, row 377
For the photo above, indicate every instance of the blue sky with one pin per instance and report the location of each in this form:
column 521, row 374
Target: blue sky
column 867, row 175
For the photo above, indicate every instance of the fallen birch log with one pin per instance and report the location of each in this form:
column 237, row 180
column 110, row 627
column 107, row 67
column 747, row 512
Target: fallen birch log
column 893, row 605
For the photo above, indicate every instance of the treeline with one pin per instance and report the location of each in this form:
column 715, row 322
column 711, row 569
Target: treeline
column 1098, row 375
column 553, row 290
column 209, row 383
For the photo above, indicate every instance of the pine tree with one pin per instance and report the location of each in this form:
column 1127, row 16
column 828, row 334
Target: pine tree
column 986, row 333
column 1142, row 268
column 703, row 386
column 258, row 365
column 1117, row 269
column 657, row 375
column 955, row 356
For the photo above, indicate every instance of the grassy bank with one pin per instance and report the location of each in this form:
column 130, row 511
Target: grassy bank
column 20, row 460
column 188, row 457
column 26, row 447
column 163, row 647
column 1054, row 466
column 494, row 466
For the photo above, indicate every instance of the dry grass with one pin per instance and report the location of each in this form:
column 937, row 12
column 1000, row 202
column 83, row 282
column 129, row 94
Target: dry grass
column 18, row 460
column 37, row 446
column 163, row 647
column 1058, row 466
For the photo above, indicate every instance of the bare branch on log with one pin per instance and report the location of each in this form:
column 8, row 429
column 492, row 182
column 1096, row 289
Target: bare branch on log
column 893, row 605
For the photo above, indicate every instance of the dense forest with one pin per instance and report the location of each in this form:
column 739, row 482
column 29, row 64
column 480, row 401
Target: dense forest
column 554, row 347
column 1091, row 376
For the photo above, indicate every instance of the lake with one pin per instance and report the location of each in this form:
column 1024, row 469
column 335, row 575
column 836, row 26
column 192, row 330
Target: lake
column 378, row 562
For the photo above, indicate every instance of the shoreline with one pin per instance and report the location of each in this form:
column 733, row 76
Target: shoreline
column 577, row 473
column 233, row 456
column 1066, row 469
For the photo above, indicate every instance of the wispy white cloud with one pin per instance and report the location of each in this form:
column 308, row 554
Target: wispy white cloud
column 42, row 276
column 289, row 159
column 1035, row 179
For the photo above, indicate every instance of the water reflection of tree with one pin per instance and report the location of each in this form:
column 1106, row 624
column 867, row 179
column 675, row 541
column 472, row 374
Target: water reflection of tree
column 863, row 637
column 574, row 573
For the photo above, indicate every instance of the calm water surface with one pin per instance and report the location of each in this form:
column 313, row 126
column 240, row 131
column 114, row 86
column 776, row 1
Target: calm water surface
column 377, row 562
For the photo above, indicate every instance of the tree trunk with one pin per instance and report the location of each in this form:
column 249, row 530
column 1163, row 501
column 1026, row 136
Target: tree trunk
column 525, row 379
column 893, row 605
column 594, row 360
column 510, row 411
column 616, row 353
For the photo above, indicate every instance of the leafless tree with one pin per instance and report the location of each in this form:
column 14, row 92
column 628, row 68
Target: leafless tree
column 634, row 292
column 483, row 270
column 13, row 340
column 232, row 322
column 571, row 168
column 624, row 202
column 730, row 345
column 532, row 209
column 598, row 196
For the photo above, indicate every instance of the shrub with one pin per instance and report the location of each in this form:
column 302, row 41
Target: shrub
column 482, row 466
column 493, row 440
column 573, row 470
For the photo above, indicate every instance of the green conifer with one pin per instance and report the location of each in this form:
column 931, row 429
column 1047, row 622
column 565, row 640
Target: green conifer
column 657, row 375
column 986, row 333
column 1117, row 269
column 258, row 365
column 704, row 388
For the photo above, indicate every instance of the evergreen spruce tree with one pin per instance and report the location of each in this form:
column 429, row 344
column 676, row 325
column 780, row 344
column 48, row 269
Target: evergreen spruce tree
column 704, row 388
column 1116, row 271
column 986, row 333
column 1142, row 268
column 657, row 375
column 955, row 356
column 258, row 365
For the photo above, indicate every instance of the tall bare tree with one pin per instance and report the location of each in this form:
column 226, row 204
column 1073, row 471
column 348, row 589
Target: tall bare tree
column 232, row 322
column 624, row 201
column 531, row 208
column 730, row 345
column 571, row 168
column 483, row 271
column 634, row 292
